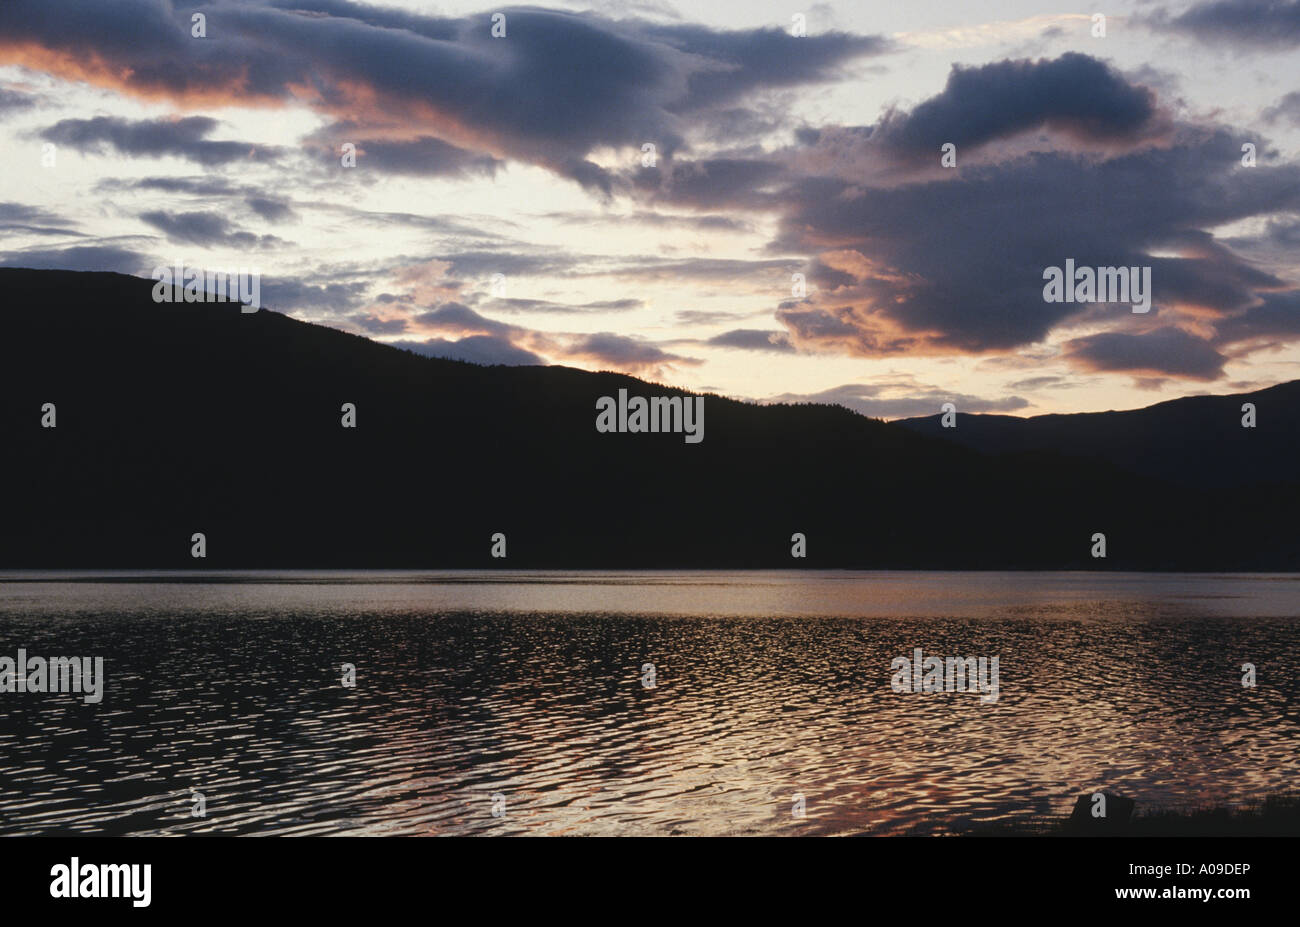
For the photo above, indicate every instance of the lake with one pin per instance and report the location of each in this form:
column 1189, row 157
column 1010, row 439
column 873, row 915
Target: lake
column 521, row 703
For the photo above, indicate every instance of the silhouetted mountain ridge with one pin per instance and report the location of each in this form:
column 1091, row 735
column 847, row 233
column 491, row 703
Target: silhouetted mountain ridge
column 181, row 418
column 1196, row 441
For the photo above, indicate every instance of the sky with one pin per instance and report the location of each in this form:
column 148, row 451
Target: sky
column 747, row 198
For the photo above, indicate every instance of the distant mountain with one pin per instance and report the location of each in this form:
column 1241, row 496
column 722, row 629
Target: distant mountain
column 1198, row 441
column 181, row 418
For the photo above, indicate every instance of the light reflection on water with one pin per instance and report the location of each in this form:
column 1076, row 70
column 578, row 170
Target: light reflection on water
column 529, row 685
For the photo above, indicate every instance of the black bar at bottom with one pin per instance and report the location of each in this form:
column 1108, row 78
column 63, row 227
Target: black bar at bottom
column 616, row 878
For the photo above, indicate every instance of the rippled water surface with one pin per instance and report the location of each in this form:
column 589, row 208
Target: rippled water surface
column 529, row 687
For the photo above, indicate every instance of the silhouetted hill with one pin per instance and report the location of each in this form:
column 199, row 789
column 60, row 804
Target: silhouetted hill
column 1197, row 441
column 177, row 418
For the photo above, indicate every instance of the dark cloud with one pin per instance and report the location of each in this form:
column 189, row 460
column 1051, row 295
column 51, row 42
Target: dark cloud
column 906, row 401
column 442, row 30
column 377, row 326
column 460, row 318
column 1257, row 23
column 590, row 175
column 1043, row 382
column 288, row 293
column 711, row 222
column 1283, row 232
column 1075, row 92
column 467, row 235
column 559, row 86
column 1166, row 350
column 267, row 206
column 270, row 208
column 722, row 270
column 485, row 263
column 476, row 349
column 80, row 257
column 745, row 124
column 1286, row 109
column 1211, row 276
column 956, row 264
column 1277, row 244
column 543, row 305
column 1276, row 318
column 752, row 339
column 18, row 218
column 12, row 101
column 205, row 228
column 828, row 278
column 424, row 156
column 715, row 182
column 605, row 349
column 740, row 62
column 701, row 317
column 811, row 135
column 182, row 138
column 191, row 186
column 623, row 352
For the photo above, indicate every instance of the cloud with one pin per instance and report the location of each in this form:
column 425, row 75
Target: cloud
column 716, row 182
column 712, row 222
column 205, row 228
column 465, row 233
column 1048, row 25
column 1271, row 24
column 99, row 257
column 12, row 101
column 736, row 63
column 272, row 209
column 486, row 263
column 605, row 350
column 623, row 353
column 1042, row 382
column 543, row 305
column 268, row 207
column 701, row 317
column 954, row 265
column 423, row 156
column 19, row 218
column 556, row 88
column 753, row 340
column 908, row 399
column 476, row 349
column 1276, row 318
column 182, row 138
column 1075, row 92
column 760, row 273
column 459, row 318
column 1063, row 158
column 372, row 323
column 191, row 186
column 1168, row 350
column 288, row 293
column 1286, row 109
